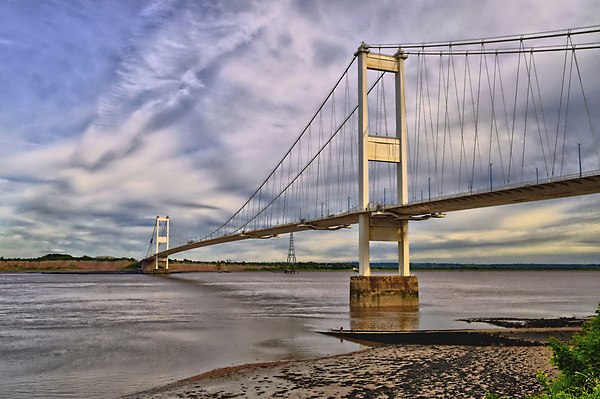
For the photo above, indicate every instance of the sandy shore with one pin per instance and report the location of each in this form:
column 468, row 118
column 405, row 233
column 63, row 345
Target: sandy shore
column 403, row 371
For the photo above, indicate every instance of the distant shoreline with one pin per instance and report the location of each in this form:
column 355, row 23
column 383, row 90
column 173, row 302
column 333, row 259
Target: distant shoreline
column 59, row 263
column 220, row 266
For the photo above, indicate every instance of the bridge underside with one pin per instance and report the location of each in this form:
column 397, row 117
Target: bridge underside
column 417, row 211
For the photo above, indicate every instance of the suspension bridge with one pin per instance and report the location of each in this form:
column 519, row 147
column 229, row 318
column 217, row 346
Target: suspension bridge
column 412, row 131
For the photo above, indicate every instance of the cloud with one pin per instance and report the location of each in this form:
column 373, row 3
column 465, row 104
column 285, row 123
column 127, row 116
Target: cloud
column 524, row 219
column 183, row 108
column 546, row 231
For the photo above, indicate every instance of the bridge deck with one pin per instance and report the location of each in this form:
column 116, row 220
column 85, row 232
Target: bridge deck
column 568, row 187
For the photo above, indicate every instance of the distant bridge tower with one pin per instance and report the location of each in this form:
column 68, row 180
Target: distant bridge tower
column 291, row 258
column 162, row 241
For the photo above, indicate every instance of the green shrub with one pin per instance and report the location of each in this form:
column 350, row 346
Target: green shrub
column 579, row 365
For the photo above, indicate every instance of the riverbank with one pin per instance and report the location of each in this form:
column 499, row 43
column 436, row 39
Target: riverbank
column 403, row 371
column 68, row 266
column 426, row 369
column 64, row 263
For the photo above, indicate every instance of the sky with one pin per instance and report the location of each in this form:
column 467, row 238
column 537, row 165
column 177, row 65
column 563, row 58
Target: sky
column 114, row 112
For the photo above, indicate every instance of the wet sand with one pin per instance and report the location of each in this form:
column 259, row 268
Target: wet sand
column 399, row 371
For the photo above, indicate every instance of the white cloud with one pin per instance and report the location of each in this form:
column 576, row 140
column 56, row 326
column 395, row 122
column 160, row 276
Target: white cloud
column 192, row 105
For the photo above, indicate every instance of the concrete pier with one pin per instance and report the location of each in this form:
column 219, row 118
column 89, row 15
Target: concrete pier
column 155, row 267
column 384, row 291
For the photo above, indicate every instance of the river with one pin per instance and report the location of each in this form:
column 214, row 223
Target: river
column 105, row 335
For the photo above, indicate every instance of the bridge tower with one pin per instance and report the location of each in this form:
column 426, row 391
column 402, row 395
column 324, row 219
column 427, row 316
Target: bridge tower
column 161, row 242
column 367, row 290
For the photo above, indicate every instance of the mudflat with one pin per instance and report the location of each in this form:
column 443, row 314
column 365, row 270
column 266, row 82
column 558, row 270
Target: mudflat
column 395, row 371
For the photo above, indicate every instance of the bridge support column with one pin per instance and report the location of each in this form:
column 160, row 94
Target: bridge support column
column 376, row 224
column 403, row 253
column 364, row 266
